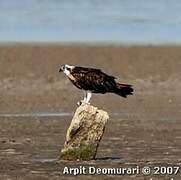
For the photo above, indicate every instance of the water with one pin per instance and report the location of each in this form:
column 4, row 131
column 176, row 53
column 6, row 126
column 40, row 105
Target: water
column 119, row 116
column 36, row 114
column 112, row 21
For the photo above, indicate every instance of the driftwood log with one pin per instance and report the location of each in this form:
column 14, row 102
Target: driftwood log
column 84, row 133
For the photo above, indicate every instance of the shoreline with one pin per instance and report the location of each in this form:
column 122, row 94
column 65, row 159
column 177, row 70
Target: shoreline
column 91, row 44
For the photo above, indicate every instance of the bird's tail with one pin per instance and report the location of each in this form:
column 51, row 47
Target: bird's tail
column 124, row 90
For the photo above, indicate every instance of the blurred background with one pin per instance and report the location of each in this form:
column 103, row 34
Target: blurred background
column 103, row 21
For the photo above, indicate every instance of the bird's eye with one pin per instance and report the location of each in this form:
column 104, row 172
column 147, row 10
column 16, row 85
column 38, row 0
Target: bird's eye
column 68, row 69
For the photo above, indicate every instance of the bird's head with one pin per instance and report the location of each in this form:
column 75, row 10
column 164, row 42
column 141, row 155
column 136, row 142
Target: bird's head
column 66, row 69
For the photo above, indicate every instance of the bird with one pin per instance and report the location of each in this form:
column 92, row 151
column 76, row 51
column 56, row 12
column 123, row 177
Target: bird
column 92, row 80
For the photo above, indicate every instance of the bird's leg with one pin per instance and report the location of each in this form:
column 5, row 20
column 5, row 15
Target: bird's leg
column 88, row 97
column 85, row 96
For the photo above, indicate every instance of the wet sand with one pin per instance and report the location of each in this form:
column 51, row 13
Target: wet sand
column 143, row 130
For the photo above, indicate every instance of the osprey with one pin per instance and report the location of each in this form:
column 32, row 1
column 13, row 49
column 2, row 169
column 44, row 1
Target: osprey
column 94, row 81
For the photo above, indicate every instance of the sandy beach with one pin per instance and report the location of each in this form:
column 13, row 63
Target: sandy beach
column 37, row 103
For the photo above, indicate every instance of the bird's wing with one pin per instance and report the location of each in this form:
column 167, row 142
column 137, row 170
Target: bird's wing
column 94, row 79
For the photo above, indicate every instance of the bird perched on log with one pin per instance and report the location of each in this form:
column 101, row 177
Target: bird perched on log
column 94, row 81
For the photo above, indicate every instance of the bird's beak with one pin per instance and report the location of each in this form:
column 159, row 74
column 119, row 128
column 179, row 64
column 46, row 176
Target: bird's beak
column 61, row 68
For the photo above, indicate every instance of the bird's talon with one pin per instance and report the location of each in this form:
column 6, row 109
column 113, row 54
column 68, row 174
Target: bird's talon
column 79, row 103
column 88, row 103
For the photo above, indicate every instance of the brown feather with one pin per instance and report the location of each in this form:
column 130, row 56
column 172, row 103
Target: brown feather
column 98, row 82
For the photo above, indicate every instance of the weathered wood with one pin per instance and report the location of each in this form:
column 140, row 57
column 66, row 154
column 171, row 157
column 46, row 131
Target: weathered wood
column 84, row 133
